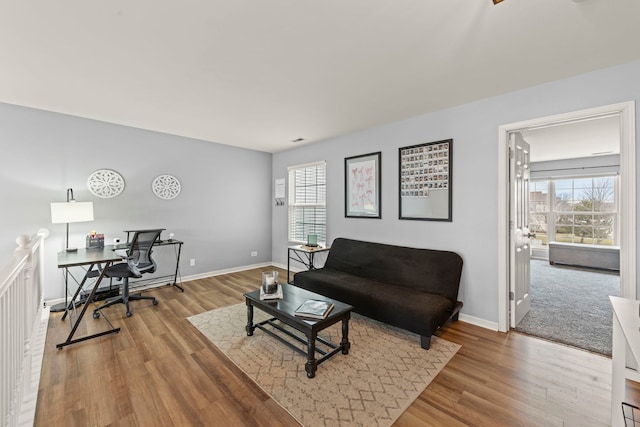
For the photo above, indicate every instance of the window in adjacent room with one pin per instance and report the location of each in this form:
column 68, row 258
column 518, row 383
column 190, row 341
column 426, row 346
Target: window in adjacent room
column 539, row 212
column 574, row 210
column 307, row 202
column 585, row 210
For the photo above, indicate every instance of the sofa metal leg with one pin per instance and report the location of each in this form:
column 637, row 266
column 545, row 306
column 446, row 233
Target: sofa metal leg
column 456, row 312
column 425, row 342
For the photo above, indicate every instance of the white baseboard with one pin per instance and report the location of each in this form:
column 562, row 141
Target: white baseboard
column 632, row 374
column 483, row 323
column 284, row 267
column 237, row 269
column 181, row 278
column 225, row 271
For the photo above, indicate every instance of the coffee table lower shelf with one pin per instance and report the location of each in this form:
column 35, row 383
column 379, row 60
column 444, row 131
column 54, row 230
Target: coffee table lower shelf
column 310, row 353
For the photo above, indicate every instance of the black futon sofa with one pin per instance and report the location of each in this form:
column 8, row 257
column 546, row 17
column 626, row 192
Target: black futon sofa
column 413, row 289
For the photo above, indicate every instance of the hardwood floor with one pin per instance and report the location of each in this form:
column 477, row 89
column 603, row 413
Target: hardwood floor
column 159, row 371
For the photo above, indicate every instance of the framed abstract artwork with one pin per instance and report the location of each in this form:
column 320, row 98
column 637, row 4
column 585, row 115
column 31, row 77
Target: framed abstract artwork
column 362, row 186
column 425, row 181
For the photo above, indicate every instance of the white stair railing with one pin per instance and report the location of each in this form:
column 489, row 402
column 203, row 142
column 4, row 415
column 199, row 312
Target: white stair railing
column 23, row 321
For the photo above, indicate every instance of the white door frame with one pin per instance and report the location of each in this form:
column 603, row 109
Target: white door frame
column 626, row 111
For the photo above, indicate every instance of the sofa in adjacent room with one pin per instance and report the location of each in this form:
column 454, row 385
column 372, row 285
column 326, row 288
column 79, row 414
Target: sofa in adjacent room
column 411, row 288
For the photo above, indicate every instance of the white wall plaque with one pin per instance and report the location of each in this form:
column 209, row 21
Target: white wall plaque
column 105, row 183
column 279, row 188
column 166, row 187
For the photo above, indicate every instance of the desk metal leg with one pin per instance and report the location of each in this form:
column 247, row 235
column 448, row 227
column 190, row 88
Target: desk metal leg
column 84, row 309
column 75, row 295
column 175, row 276
column 288, row 264
column 306, row 259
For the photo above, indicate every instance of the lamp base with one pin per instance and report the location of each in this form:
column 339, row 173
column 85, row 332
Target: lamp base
column 71, row 250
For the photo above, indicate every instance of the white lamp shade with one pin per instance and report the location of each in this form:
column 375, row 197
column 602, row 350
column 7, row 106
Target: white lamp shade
column 71, row 212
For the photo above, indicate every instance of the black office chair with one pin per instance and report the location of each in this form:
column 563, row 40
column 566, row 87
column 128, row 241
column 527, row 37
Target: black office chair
column 138, row 262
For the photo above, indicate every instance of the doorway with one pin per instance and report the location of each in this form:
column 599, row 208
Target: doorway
column 572, row 213
column 625, row 112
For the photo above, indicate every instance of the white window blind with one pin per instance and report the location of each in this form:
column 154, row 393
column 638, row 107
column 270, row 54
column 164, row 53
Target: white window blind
column 307, row 202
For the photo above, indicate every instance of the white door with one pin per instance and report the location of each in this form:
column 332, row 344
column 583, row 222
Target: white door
column 520, row 247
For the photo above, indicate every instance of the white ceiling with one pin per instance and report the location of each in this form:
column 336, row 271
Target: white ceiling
column 260, row 73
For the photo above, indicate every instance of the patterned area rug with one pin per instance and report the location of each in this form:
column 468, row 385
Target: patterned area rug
column 384, row 372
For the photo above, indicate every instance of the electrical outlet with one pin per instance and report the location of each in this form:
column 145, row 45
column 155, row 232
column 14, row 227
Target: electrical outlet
column 192, row 262
column 254, row 253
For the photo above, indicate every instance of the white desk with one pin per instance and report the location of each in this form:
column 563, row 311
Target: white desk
column 626, row 330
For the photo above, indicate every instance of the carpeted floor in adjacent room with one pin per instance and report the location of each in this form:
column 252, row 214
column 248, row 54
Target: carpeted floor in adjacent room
column 571, row 306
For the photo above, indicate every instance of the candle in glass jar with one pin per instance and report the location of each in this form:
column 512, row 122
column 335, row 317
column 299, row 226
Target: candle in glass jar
column 271, row 280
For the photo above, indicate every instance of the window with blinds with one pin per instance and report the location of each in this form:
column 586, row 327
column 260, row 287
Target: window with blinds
column 307, row 202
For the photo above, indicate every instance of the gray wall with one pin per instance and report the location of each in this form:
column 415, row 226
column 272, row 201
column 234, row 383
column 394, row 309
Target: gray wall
column 222, row 213
column 474, row 129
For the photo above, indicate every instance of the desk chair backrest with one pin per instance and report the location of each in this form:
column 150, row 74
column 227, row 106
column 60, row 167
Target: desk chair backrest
column 139, row 252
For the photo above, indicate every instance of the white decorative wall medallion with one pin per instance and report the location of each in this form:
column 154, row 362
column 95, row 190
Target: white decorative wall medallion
column 105, row 183
column 166, row 187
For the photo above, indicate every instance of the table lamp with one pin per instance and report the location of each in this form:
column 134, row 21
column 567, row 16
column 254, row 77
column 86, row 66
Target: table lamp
column 71, row 211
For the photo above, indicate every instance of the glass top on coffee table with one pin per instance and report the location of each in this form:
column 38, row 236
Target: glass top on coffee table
column 292, row 298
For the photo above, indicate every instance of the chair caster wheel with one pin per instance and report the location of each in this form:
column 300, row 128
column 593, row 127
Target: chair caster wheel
column 96, row 314
column 129, row 313
column 155, row 302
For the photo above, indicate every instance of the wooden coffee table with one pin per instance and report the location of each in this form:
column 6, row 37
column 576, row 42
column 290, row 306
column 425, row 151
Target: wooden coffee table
column 283, row 312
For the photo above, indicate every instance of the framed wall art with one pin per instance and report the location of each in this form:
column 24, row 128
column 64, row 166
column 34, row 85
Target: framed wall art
column 425, row 181
column 362, row 186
